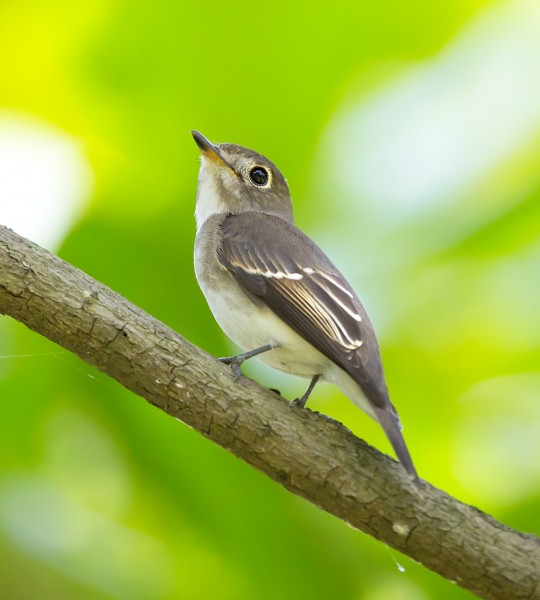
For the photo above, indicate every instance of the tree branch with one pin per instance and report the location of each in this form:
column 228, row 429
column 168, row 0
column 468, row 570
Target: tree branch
column 305, row 452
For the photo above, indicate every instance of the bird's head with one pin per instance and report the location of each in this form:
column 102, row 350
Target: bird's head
column 234, row 179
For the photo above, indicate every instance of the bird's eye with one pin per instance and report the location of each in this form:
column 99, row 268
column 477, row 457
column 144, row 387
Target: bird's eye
column 259, row 176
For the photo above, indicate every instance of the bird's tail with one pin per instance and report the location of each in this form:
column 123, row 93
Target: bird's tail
column 392, row 428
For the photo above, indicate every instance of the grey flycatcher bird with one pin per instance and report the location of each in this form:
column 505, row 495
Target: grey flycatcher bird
column 275, row 293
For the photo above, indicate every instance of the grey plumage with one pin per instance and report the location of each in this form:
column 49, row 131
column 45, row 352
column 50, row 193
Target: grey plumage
column 318, row 304
column 254, row 265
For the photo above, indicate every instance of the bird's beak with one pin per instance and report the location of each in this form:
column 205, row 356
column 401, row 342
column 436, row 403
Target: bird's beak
column 208, row 149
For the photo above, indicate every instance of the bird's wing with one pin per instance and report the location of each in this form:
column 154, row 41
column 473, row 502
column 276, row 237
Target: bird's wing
column 279, row 266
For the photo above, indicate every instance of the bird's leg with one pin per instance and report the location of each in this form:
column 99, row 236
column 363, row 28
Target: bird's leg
column 236, row 361
column 301, row 402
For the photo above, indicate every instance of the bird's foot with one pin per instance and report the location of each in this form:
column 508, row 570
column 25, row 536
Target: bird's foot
column 234, row 362
column 299, row 402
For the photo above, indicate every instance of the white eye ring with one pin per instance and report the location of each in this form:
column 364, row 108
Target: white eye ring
column 260, row 176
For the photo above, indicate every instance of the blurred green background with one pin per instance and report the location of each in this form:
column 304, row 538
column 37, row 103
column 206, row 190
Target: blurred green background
column 410, row 136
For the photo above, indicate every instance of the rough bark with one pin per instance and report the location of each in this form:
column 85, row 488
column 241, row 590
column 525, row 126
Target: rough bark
column 305, row 452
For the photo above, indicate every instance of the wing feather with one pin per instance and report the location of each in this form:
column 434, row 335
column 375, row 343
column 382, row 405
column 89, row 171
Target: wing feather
column 276, row 264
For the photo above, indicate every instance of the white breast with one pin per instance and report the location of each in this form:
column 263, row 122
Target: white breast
column 250, row 327
column 208, row 199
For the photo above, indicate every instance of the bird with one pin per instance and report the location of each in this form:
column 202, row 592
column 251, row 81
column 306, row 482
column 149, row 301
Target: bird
column 275, row 293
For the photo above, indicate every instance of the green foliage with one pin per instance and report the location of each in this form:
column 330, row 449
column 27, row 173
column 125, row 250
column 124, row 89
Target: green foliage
column 101, row 496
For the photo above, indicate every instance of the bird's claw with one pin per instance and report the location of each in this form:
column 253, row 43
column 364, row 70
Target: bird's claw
column 234, row 363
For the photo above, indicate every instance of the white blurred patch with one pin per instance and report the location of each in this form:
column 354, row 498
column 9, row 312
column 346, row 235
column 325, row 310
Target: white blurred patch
column 431, row 132
column 82, row 543
column 392, row 587
column 45, row 179
column 72, row 512
column 497, row 446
